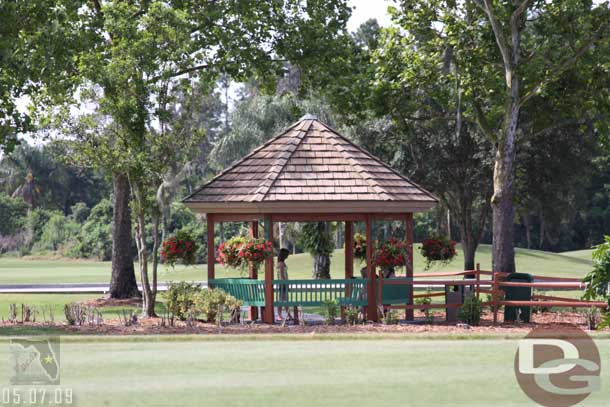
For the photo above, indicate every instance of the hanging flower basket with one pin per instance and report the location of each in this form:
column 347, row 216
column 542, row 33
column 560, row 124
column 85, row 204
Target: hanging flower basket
column 181, row 247
column 391, row 254
column 241, row 252
column 228, row 252
column 439, row 249
column 256, row 251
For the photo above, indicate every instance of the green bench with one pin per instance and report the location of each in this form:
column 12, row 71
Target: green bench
column 310, row 293
column 250, row 292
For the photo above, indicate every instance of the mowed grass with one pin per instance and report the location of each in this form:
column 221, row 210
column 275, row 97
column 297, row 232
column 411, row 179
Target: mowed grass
column 19, row 271
column 170, row 371
column 46, row 303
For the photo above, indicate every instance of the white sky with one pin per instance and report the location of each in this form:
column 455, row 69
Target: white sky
column 365, row 9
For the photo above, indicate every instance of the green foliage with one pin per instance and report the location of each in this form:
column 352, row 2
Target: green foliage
column 95, row 238
column 330, row 310
column 79, row 212
column 180, row 298
column 605, row 322
column 352, row 315
column 316, row 238
column 13, row 213
column 57, row 231
column 598, row 279
column 210, row 302
column 470, row 312
column 390, row 317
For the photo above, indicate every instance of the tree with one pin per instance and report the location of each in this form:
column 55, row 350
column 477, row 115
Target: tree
column 134, row 57
column 507, row 54
column 317, row 239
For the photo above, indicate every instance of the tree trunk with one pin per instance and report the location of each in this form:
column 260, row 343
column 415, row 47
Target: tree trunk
column 123, row 279
column 503, row 250
column 469, row 247
column 321, row 266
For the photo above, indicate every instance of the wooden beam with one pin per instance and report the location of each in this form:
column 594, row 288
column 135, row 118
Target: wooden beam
column 211, row 249
column 318, row 217
column 409, row 316
column 253, row 272
column 236, row 217
column 371, row 309
column 268, row 316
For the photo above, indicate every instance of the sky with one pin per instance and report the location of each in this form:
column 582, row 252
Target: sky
column 365, row 9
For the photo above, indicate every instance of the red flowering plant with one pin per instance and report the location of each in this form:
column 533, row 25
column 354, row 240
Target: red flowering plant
column 240, row 252
column 391, row 254
column 228, row 252
column 256, row 251
column 179, row 247
column 438, row 248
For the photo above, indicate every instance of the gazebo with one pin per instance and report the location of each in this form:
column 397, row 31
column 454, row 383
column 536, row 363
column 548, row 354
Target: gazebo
column 311, row 173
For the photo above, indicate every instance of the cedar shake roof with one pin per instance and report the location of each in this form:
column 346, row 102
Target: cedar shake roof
column 312, row 168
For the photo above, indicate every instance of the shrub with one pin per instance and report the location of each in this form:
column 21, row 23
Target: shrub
column 352, row 315
column 471, row 311
column 593, row 318
column 179, row 247
column 95, row 238
column 438, row 248
column 330, row 309
column 180, row 298
column 598, row 279
column 390, row 317
column 210, row 302
column 13, row 213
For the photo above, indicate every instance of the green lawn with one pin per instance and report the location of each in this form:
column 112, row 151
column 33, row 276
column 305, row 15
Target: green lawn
column 56, row 303
column 18, row 271
column 187, row 371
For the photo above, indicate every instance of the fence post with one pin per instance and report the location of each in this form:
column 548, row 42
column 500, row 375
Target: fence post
column 494, row 295
column 478, row 277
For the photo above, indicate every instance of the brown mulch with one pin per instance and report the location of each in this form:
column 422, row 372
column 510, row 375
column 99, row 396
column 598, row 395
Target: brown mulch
column 152, row 326
column 112, row 302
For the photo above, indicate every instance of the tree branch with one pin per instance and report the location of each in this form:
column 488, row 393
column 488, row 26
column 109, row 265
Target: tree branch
column 483, row 122
column 564, row 64
column 178, row 73
column 497, row 30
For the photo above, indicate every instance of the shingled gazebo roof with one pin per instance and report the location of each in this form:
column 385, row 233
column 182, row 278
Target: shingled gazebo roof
column 309, row 168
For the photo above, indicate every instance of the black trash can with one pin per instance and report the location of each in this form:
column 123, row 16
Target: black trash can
column 518, row 294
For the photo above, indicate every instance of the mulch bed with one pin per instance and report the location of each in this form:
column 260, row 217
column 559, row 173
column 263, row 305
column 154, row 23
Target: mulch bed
column 152, row 326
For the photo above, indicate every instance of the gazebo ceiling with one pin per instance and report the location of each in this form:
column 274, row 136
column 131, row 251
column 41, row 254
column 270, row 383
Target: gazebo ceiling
column 309, row 168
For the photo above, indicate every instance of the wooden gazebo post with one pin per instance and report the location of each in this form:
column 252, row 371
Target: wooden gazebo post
column 409, row 264
column 349, row 258
column 211, row 250
column 371, row 309
column 268, row 313
column 253, row 272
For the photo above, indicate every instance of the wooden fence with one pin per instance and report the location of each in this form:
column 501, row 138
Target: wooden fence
column 492, row 283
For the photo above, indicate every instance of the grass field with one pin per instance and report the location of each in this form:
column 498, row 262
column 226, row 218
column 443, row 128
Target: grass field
column 190, row 371
column 19, row 271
